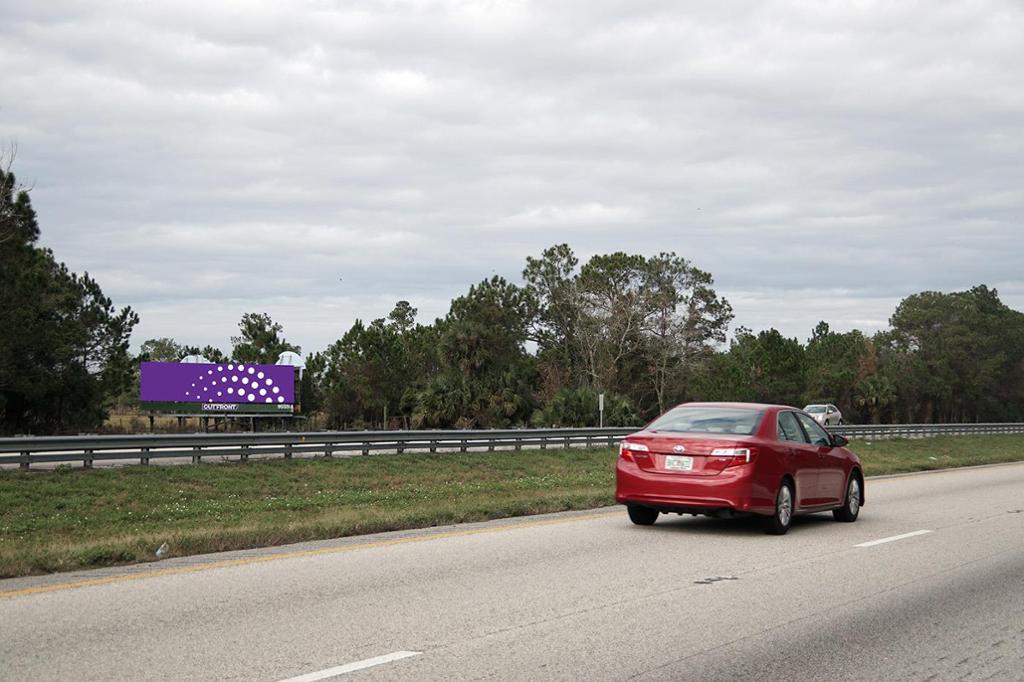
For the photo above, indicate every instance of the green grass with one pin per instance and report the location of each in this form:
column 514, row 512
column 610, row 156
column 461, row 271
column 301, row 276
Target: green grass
column 68, row 519
column 942, row 452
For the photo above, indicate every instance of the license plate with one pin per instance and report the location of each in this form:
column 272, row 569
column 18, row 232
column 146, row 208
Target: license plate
column 676, row 463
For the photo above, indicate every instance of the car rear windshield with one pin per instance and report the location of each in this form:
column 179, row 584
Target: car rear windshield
column 708, row 420
column 814, row 409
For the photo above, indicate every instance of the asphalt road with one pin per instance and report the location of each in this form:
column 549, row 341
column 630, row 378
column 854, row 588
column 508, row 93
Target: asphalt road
column 576, row 596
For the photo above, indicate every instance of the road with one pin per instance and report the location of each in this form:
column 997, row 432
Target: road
column 575, row 596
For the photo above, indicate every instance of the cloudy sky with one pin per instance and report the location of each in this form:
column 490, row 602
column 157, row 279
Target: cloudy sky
column 321, row 160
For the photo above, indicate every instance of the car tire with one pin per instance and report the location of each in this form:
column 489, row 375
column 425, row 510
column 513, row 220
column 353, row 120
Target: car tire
column 642, row 516
column 851, row 505
column 778, row 523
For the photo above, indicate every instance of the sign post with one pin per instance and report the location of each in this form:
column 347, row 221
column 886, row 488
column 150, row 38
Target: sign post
column 600, row 408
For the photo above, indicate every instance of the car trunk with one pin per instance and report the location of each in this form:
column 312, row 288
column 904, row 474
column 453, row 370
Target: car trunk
column 683, row 454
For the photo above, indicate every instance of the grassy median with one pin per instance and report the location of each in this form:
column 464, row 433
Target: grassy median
column 67, row 519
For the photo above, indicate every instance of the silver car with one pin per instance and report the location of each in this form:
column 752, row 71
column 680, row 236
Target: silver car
column 826, row 415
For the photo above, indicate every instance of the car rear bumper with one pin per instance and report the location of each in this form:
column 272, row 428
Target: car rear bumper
column 731, row 490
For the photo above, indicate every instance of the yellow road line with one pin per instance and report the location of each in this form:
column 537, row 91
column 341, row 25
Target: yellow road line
column 228, row 563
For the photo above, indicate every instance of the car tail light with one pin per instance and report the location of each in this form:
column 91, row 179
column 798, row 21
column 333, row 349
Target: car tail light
column 626, row 450
column 735, row 456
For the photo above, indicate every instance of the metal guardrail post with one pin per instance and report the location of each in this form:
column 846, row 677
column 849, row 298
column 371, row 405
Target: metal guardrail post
column 567, row 442
column 287, row 450
column 244, row 456
column 519, row 444
column 197, row 458
column 366, row 448
column 87, row 459
column 400, row 446
column 328, row 449
column 25, row 459
column 145, row 456
column 465, row 445
column 433, row 446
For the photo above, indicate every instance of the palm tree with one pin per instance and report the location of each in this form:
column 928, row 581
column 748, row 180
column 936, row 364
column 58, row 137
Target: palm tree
column 874, row 394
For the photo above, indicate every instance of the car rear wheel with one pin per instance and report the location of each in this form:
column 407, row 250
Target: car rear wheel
column 778, row 523
column 851, row 508
column 642, row 516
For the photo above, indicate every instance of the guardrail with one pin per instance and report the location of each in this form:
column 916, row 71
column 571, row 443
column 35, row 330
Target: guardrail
column 29, row 450
column 922, row 430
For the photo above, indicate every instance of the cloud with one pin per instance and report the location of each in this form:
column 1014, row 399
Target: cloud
column 402, row 82
column 319, row 161
column 582, row 217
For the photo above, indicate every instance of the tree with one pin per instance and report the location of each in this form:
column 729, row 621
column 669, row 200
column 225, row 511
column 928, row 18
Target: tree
column 311, row 383
column 259, row 340
column 761, row 368
column 965, row 349
column 486, row 378
column 835, row 365
column 162, row 350
column 874, row 394
column 689, row 321
column 402, row 317
column 617, row 303
column 554, row 306
column 370, row 373
column 210, row 353
column 63, row 345
column 644, row 327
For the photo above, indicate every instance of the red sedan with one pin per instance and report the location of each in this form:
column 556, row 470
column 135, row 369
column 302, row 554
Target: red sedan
column 733, row 459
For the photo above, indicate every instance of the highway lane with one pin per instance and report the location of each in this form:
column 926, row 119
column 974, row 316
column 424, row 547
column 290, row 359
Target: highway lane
column 570, row 596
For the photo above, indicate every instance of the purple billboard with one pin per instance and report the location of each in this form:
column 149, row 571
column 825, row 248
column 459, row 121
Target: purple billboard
column 217, row 383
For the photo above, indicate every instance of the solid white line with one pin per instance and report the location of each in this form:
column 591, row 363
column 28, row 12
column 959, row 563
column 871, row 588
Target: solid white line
column 352, row 667
column 893, row 538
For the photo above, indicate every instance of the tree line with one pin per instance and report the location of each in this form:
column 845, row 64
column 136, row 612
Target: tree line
column 648, row 332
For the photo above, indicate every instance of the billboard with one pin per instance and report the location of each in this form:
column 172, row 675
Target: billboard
column 222, row 387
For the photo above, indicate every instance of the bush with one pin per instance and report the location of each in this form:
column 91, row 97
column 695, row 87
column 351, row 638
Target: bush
column 579, row 407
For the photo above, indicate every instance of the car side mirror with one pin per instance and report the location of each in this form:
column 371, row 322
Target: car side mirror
column 839, row 441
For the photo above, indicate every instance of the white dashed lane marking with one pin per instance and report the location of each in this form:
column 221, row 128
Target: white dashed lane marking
column 352, row 667
column 893, row 538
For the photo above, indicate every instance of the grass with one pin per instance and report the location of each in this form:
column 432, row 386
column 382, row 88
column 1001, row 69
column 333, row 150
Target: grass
column 68, row 519
column 900, row 455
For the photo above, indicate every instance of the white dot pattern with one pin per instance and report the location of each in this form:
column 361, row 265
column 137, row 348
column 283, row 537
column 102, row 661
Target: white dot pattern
column 223, row 381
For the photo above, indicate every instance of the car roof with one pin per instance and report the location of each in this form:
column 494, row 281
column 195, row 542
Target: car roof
column 742, row 406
